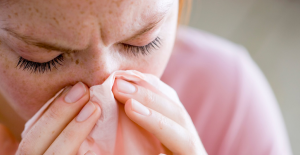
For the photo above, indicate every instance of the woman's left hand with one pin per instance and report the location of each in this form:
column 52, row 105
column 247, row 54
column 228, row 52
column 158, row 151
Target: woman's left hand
column 161, row 116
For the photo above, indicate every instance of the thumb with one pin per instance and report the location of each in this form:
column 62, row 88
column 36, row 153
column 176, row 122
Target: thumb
column 8, row 143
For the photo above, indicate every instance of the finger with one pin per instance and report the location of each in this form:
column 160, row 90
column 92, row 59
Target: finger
column 124, row 91
column 176, row 138
column 55, row 119
column 69, row 141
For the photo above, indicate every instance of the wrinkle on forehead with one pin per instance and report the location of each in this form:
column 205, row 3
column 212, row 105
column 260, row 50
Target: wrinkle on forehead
column 49, row 21
column 76, row 22
column 129, row 17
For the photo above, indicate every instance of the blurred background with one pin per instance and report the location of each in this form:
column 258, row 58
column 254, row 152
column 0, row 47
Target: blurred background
column 270, row 30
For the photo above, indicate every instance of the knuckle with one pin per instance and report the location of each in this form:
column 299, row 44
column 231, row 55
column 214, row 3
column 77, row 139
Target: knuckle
column 163, row 122
column 149, row 97
column 182, row 116
column 192, row 144
column 69, row 134
column 54, row 112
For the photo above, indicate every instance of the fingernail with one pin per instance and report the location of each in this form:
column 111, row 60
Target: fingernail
column 75, row 93
column 139, row 108
column 125, row 87
column 90, row 153
column 86, row 112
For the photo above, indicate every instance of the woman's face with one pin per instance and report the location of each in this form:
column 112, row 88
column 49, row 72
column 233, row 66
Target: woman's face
column 60, row 42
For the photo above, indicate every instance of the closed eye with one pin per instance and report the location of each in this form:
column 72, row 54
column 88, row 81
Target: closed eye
column 36, row 67
column 144, row 50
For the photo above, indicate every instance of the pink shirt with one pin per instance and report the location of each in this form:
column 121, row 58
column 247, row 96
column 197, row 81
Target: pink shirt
column 226, row 95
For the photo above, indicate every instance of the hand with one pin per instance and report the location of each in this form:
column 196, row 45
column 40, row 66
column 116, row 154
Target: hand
column 61, row 130
column 161, row 116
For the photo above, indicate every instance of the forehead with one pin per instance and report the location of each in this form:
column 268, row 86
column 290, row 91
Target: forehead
column 76, row 19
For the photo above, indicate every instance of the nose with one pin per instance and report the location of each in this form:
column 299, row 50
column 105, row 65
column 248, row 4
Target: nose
column 99, row 67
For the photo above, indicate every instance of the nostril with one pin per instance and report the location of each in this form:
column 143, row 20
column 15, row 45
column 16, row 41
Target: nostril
column 97, row 78
column 99, row 67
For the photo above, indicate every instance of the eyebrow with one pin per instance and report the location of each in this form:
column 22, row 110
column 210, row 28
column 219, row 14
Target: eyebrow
column 53, row 47
column 146, row 29
column 48, row 46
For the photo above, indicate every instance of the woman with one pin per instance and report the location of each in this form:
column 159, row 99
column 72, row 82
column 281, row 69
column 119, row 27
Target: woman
column 57, row 43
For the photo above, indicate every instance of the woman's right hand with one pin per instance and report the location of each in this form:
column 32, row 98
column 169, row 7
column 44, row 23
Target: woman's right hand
column 64, row 125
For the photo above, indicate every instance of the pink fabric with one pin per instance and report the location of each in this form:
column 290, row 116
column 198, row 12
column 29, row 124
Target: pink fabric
column 114, row 133
column 226, row 95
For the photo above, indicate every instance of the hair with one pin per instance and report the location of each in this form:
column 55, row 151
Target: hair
column 184, row 11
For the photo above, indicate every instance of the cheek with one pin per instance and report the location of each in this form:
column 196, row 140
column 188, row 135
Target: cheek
column 24, row 91
column 158, row 62
column 155, row 62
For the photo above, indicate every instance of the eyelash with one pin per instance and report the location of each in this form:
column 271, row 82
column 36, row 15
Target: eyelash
column 144, row 50
column 36, row 67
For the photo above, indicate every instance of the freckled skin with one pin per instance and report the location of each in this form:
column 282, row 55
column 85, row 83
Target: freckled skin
column 72, row 23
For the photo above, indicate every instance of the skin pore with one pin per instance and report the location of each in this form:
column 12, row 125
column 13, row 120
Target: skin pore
column 90, row 35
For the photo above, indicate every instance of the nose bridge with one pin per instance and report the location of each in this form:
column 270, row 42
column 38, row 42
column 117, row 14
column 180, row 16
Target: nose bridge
column 99, row 68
